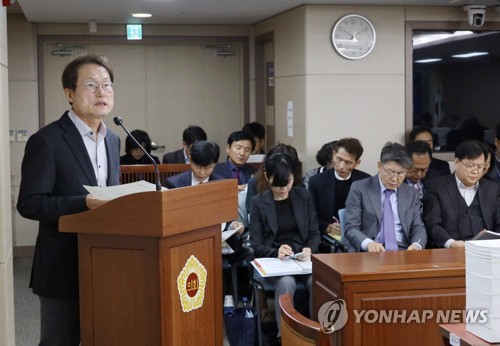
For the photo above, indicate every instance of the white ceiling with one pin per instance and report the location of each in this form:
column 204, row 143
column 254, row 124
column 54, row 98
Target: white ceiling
column 178, row 11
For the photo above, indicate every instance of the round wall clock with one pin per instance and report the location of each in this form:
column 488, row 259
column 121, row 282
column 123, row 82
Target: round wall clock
column 353, row 36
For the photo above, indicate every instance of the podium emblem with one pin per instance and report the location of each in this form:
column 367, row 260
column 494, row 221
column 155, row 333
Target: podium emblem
column 191, row 284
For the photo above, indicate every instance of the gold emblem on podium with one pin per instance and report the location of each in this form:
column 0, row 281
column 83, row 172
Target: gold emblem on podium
column 191, row 284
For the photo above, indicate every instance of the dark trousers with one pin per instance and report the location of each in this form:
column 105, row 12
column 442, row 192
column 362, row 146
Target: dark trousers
column 60, row 322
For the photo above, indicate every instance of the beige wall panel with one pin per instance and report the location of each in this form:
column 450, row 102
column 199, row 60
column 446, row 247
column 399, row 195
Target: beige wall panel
column 440, row 14
column 189, row 85
column 22, row 66
column 370, row 108
column 289, row 41
column 291, row 89
column 386, row 58
column 3, row 37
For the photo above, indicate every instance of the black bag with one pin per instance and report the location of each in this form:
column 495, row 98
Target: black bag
column 241, row 330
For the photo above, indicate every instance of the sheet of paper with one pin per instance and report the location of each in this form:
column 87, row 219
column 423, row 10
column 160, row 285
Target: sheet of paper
column 111, row 192
column 230, row 232
column 289, row 118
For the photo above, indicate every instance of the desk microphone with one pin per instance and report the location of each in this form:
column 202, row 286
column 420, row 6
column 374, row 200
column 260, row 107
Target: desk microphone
column 119, row 121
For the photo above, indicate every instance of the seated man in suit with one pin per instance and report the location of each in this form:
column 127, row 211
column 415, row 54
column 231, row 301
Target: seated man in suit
column 239, row 146
column 330, row 188
column 421, row 133
column 459, row 206
column 204, row 156
column 258, row 132
column 190, row 135
column 381, row 212
column 420, row 172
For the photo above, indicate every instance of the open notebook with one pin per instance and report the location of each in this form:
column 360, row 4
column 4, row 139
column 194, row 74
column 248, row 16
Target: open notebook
column 276, row 267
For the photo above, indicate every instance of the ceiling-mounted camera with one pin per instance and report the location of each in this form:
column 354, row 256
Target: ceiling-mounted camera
column 476, row 14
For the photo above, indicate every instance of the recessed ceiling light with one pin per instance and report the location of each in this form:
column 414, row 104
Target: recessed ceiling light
column 469, row 55
column 426, row 61
column 141, row 15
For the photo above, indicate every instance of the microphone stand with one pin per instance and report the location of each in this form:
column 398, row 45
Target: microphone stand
column 119, row 121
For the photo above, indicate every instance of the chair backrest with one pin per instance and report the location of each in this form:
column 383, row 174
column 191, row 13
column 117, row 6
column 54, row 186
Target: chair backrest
column 296, row 329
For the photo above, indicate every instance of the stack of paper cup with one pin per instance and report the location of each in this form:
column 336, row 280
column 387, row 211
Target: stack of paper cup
column 482, row 277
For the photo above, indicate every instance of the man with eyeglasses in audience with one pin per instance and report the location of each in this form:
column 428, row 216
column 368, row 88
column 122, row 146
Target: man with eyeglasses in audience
column 331, row 187
column 382, row 213
column 420, row 172
column 459, row 206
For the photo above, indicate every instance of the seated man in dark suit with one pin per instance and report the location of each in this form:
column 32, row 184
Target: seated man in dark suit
column 190, row 135
column 330, row 188
column 381, row 212
column 420, row 172
column 204, row 156
column 459, row 206
column 421, row 133
column 239, row 146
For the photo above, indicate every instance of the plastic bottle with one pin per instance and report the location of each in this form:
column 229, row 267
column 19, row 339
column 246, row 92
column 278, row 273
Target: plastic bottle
column 228, row 305
column 248, row 309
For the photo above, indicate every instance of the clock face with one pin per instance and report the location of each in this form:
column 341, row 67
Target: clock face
column 353, row 36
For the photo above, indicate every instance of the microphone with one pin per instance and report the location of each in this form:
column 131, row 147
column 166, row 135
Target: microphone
column 119, row 121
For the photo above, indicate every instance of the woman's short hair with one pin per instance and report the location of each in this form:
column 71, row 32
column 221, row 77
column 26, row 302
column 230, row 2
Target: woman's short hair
column 142, row 137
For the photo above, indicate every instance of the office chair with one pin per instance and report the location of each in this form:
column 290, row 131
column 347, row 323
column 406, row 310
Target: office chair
column 296, row 329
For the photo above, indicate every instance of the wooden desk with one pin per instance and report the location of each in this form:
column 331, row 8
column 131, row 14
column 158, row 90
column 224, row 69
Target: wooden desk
column 458, row 330
column 404, row 280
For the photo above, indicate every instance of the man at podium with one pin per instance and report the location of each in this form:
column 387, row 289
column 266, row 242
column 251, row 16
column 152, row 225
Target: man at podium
column 59, row 159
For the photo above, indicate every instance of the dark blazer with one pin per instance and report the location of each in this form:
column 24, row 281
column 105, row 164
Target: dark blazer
column 174, row 157
column 264, row 221
column 363, row 214
column 184, row 179
column 322, row 187
column 55, row 167
column 223, row 169
column 440, row 166
column 442, row 211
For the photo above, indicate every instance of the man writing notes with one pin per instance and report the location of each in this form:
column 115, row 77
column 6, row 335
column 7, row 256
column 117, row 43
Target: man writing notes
column 59, row 159
column 459, row 206
column 330, row 188
column 382, row 213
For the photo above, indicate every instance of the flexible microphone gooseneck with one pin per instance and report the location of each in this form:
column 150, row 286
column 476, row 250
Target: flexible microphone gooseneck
column 119, row 121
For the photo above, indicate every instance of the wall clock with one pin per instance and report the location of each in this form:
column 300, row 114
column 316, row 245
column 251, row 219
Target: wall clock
column 353, row 36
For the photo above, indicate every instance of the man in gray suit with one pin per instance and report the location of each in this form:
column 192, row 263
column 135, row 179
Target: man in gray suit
column 59, row 159
column 382, row 210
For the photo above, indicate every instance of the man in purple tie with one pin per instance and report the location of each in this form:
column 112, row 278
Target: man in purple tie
column 382, row 213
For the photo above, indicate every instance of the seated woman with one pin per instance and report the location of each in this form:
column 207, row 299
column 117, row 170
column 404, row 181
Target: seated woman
column 283, row 221
column 133, row 154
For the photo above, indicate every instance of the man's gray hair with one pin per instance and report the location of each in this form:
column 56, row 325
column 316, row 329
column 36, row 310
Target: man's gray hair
column 397, row 153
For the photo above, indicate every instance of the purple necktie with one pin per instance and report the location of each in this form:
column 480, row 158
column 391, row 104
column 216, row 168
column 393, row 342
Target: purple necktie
column 388, row 229
column 236, row 173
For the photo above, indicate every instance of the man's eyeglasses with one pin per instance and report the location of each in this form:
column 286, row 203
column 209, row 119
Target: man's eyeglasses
column 395, row 174
column 92, row 87
column 471, row 167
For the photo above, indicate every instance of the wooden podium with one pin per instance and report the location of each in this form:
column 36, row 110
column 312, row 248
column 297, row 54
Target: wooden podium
column 150, row 266
column 429, row 280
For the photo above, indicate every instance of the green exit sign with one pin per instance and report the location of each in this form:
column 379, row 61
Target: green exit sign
column 134, row 31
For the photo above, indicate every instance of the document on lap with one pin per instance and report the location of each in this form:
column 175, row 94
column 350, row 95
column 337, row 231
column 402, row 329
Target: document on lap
column 107, row 193
column 273, row 266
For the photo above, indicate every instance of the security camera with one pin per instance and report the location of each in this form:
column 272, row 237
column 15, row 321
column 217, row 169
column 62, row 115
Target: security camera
column 475, row 14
